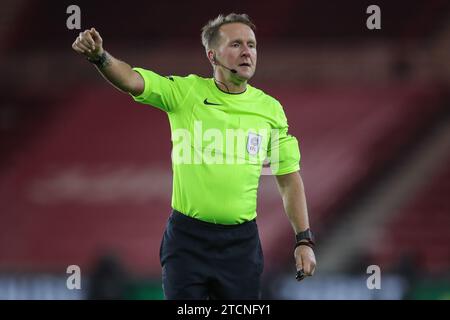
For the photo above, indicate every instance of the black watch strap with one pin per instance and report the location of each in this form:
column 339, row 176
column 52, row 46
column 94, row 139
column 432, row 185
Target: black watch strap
column 305, row 235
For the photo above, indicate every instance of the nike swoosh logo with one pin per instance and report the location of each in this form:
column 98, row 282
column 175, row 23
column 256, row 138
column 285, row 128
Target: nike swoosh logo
column 211, row 103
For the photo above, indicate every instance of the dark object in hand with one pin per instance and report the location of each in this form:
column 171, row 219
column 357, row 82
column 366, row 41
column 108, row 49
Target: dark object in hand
column 300, row 275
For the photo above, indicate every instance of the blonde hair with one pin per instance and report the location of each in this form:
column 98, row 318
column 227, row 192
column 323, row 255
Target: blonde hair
column 210, row 31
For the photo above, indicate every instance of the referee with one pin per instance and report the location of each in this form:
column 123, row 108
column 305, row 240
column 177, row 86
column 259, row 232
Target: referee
column 222, row 130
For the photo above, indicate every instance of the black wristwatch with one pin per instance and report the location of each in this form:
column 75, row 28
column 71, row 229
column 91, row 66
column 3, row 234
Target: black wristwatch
column 305, row 238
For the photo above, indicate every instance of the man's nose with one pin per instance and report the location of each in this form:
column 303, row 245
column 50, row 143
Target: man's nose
column 245, row 51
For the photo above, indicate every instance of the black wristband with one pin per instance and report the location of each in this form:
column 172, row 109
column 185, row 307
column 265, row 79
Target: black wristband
column 305, row 235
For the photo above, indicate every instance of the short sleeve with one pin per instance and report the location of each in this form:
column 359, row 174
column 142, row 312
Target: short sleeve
column 165, row 93
column 284, row 151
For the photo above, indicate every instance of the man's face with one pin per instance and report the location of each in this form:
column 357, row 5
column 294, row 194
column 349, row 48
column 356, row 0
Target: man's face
column 237, row 49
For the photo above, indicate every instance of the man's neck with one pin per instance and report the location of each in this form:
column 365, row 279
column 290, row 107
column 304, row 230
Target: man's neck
column 229, row 85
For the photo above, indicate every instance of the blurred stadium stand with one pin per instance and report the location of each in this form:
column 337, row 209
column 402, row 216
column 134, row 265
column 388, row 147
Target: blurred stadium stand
column 419, row 234
column 85, row 171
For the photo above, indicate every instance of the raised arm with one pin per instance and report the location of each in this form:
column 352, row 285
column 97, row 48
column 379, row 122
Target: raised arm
column 90, row 44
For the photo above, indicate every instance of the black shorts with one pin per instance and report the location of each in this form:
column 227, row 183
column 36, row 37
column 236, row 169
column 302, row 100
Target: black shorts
column 202, row 260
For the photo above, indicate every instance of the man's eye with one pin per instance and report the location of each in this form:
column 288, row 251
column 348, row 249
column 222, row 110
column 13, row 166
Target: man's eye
column 236, row 45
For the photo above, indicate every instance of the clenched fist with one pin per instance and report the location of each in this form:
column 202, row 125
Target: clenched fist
column 89, row 43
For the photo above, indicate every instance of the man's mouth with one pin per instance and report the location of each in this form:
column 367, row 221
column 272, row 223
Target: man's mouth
column 244, row 64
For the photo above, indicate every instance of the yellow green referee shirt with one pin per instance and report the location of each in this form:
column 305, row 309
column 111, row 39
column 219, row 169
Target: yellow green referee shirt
column 219, row 143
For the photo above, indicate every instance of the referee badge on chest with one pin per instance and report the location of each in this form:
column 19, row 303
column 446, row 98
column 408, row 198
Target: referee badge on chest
column 253, row 143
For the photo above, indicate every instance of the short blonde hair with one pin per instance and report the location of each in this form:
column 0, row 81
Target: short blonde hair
column 210, row 31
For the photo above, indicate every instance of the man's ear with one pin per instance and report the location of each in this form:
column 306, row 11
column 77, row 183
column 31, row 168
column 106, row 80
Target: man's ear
column 211, row 56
